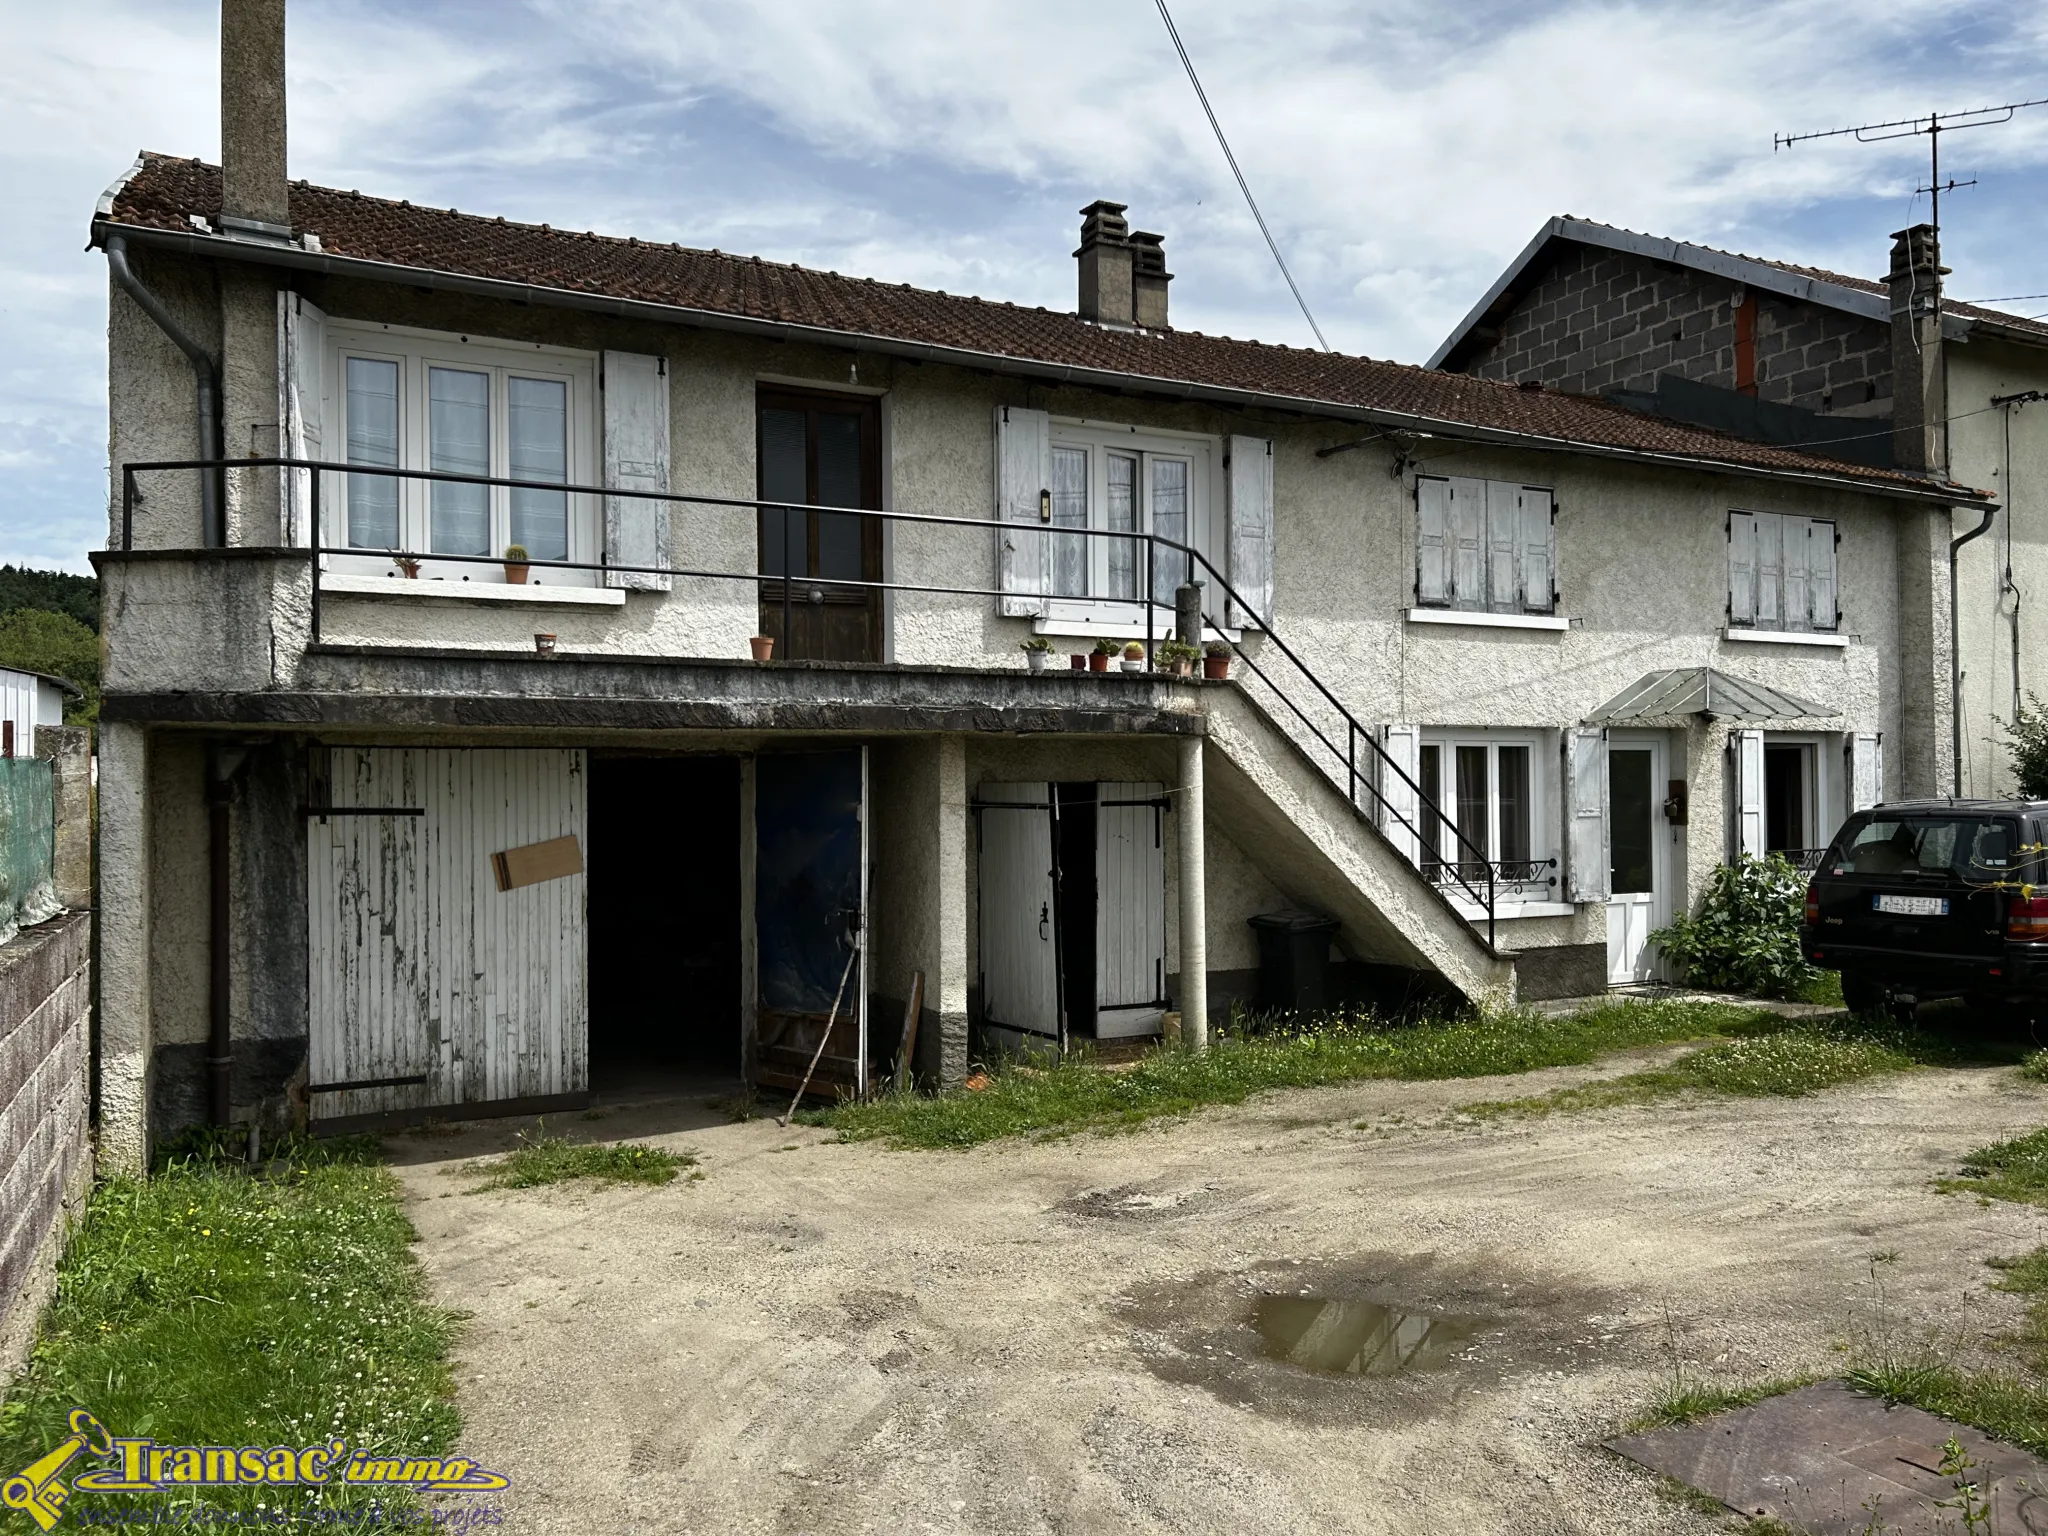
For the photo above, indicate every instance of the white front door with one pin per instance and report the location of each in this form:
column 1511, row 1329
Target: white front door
column 1639, row 858
column 1019, row 943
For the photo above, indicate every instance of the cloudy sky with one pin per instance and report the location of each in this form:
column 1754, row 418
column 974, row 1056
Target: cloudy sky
column 1403, row 150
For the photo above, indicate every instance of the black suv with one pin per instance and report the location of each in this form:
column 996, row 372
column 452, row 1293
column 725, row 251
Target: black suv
column 1934, row 898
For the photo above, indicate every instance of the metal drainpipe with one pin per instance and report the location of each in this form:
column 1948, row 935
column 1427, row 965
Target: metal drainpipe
column 1955, row 653
column 220, row 1050
column 212, row 521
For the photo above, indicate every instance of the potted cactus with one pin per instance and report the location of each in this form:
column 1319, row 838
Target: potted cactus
column 1098, row 659
column 1037, row 653
column 515, row 564
column 1178, row 657
column 1134, row 656
column 408, row 567
column 1216, row 661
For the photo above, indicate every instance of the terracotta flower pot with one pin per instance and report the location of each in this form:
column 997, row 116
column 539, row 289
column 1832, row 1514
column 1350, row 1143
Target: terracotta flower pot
column 1183, row 667
column 1098, row 662
column 1078, row 661
column 763, row 647
column 1216, row 668
column 543, row 643
column 516, row 574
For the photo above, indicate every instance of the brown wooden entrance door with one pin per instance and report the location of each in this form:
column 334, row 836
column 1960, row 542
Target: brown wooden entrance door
column 819, row 451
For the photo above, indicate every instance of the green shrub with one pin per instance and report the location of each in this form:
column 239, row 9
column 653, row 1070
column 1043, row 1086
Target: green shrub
column 1746, row 934
column 2029, row 749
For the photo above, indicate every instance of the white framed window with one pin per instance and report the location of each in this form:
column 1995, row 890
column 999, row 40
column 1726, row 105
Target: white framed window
column 1485, row 546
column 424, row 400
column 1781, row 572
column 1123, row 480
column 1495, row 787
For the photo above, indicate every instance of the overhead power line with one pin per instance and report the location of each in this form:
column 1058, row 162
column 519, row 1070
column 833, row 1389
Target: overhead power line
column 1242, row 185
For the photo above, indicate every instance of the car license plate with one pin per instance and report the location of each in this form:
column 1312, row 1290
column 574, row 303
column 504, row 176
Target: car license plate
column 1914, row 906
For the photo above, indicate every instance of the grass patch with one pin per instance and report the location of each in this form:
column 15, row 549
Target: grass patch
column 1686, row 1399
column 206, row 1305
column 2014, row 1170
column 2035, row 1067
column 1784, row 1059
column 543, row 1159
column 2010, row 1403
column 1074, row 1094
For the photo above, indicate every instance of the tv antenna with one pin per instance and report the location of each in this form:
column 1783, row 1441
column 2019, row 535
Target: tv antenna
column 1934, row 125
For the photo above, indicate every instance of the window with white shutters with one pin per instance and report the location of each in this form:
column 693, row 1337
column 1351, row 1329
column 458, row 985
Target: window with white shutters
column 1485, row 546
column 1781, row 572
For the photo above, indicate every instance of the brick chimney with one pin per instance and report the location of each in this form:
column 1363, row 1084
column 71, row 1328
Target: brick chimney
column 1149, row 278
column 1106, row 257
column 253, row 187
column 1919, row 371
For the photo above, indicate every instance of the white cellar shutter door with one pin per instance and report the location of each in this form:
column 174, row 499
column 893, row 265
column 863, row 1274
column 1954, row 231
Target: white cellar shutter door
column 1398, row 812
column 1747, row 749
column 1023, row 504
column 1250, row 513
column 1585, row 814
column 1468, row 542
column 1866, row 770
column 1741, row 569
column 1770, row 569
column 1503, row 515
column 1539, row 549
column 636, row 458
column 1432, row 542
column 301, row 374
column 1798, row 610
column 1820, row 573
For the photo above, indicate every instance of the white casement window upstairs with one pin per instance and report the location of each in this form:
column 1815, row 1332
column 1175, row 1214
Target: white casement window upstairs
column 391, row 397
column 1781, row 573
column 1485, row 546
column 1056, row 477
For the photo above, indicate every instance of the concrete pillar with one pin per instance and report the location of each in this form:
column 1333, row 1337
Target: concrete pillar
column 123, row 904
column 1194, row 906
column 68, row 748
column 948, row 989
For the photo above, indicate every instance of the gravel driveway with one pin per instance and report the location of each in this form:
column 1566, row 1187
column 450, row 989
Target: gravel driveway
column 1055, row 1337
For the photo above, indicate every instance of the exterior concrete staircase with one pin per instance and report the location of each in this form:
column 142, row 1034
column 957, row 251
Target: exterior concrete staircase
column 1274, row 800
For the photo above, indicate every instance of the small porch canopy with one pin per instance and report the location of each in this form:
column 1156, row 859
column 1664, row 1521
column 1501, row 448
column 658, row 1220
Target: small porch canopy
column 1673, row 695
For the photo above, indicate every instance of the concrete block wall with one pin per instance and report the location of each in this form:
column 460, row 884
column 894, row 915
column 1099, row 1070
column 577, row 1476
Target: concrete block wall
column 1599, row 319
column 46, row 1159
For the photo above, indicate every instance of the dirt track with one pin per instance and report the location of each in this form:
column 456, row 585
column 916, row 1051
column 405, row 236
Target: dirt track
column 1053, row 1337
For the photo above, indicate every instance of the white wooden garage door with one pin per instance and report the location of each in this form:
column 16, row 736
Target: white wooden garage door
column 423, row 969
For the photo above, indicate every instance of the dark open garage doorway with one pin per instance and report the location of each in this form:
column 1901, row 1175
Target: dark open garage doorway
column 664, row 874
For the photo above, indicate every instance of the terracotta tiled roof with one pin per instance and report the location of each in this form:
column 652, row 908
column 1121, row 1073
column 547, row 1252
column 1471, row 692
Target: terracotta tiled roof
column 164, row 192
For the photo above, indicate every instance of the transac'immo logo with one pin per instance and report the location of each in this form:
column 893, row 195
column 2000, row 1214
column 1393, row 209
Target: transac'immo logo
column 141, row 1465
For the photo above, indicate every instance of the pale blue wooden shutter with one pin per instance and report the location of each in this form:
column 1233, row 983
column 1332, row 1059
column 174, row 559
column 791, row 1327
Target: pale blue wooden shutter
column 1798, row 603
column 1820, row 573
column 1250, row 512
column 636, row 458
column 1585, row 814
column 302, row 419
column 1024, row 505
column 1503, row 540
column 1770, row 569
column 1538, row 556
column 1468, row 542
column 1746, row 752
column 1399, row 812
column 1741, row 569
column 1432, row 542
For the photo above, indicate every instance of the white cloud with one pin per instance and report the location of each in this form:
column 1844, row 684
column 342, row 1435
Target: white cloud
column 1403, row 149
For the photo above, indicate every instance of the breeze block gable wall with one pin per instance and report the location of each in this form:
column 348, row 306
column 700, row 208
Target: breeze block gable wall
column 1599, row 319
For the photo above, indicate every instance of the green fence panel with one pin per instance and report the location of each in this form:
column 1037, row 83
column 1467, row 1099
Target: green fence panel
column 28, row 844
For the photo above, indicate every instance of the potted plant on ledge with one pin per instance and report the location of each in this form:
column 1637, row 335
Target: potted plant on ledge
column 1098, row 660
column 408, row 567
column 1134, row 656
column 1178, row 657
column 1216, row 661
column 515, row 564
column 1037, row 652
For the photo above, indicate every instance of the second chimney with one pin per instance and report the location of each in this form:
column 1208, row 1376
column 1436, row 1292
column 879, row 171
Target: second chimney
column 1105, row 257
column 1919, row 369
column 1149, row 278
column 255, row 198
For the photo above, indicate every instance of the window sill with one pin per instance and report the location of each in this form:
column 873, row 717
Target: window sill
column 522, row 596
column 1786, row 637
column 1077, row 621
column 1478, row 620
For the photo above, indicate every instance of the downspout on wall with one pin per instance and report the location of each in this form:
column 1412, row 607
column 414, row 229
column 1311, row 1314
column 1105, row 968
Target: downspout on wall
column 212, row 521
column 1955, row 652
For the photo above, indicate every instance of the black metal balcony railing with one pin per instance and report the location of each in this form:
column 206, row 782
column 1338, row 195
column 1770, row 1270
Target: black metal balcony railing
column 1346, row 751
column 1514, row 879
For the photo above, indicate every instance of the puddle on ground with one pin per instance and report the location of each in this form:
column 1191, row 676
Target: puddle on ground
column 1359, row 1338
